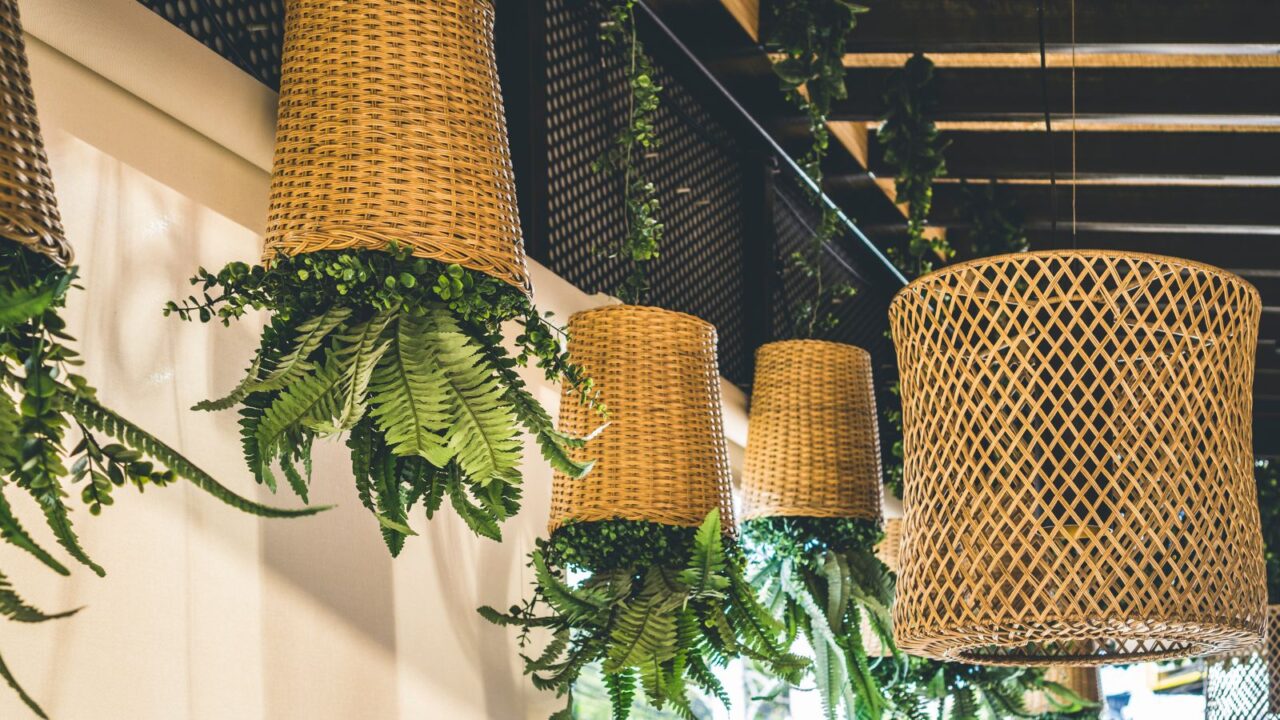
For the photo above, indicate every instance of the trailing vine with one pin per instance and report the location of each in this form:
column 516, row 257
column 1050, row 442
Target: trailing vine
column 995, row 223
column 660, row 606
column 405, row 356
column 822, row 578
column 1267, row 474
column 810, row 36
column 642, row 233
column 44, row 406
column 913, row 146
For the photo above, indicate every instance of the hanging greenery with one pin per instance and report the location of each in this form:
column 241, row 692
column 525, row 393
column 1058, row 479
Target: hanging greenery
column 913, row 146
column 995, row 223
column 951, row 691
column 642, row 231
column 660, row 606
column 1267, row 473
column 809, row 36
column 405, row 355
column 822, row 578
column 55, row 431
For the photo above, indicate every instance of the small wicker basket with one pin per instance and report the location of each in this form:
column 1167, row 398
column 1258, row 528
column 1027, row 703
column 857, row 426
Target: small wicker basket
column 391, row 130
column 813, row 449
column 662, row 457
column 28, row 208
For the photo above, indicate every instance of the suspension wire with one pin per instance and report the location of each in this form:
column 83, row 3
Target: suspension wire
column 1048, row 127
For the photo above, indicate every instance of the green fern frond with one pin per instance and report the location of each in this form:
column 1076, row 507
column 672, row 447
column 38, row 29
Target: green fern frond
column 644, row 632
column 482, row 520
column 306, row 400
column 239, row 393
column 408, row 403
column 576, row 606
column 621, row 686
column 104, row 420
column 390, row 501
column 15, row 608
column 24, row 303
column 359, row 352
column 58, row 518
column 26, row 699
column 12, row 531
column 705, row 574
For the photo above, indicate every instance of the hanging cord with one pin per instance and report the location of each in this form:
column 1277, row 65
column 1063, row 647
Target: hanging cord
column 1048, row 126
column 1075, row 182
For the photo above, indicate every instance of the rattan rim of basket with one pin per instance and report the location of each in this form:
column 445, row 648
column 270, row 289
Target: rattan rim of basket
column 1180, row 640
column 946, row 272
column 694, row 319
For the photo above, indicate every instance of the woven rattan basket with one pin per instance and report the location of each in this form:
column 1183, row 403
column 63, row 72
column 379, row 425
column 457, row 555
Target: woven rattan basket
column 813, row 449
column 662, row 457
column 1246, row 685
column 28, row 208
column 890, row 548
column 1083, row 681
column 1078, row 471
column 391, row 130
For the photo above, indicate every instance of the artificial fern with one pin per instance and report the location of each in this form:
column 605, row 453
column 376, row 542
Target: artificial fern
column 406, row 356
column 43, row 406
column 660, row 607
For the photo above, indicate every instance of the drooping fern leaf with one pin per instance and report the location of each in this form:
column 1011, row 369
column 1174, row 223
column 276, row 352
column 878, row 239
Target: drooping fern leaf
column 97, row 417
column 408, row 403
column 26, row 699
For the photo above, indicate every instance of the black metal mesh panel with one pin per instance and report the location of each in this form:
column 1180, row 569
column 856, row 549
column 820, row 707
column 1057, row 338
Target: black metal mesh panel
column 249, row 33
column 696, row 169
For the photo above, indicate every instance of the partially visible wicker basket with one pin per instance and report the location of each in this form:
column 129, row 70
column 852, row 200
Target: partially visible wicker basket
column 28, row 208
column 887, row 550
column 813, row 449
column 1079, row 470
column 1246, row 685
column 1083, row 681
column 391, row 130
column 662, row 457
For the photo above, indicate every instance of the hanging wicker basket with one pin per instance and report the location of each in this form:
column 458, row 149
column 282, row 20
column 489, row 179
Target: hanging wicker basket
column 1083, row 681
column 890, row 548
column 1079, row 477
column 391, row 131
column 1245, row 685
column 662, row 457
column 28, row 208
column 813, row 449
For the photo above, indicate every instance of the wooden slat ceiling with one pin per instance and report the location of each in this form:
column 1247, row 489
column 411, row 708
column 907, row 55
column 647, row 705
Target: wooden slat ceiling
column 1177, row 150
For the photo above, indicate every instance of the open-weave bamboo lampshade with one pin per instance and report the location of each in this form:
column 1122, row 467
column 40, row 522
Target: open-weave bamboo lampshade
column 391, row 130
column 1082, row 681
column 1245, row 685
column 662, row 457
column 813, row 449
column 1079, row 470
column 28, row 208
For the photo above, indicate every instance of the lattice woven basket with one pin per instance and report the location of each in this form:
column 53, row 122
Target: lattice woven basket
column 888, row 551
column 391, row 130
column 813, row 449
column 662, row 457
column 1246, row 685
column 1083, row 681
column 28, row 208
column 1079, row 476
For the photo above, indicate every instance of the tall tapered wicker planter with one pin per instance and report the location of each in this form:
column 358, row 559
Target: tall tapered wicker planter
column 662, row 458
column 813, row 449
column 28, row 208
column 1079, row 477
column 391, row 130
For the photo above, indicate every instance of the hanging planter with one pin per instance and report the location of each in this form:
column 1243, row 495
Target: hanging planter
column 393, row 256
column 812, row 509
column 642, row 570
column 41, row 399
column 1078, row 480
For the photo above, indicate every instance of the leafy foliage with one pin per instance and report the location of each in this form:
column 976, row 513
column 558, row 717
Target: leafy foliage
column 953, row 691
column 660, row 606
column 1267, row 474
column 810, row 38
column 994, row 220
column 821, row 578
column 642, row 234
column 406, row 355
column 914, row 148
column 44, row 405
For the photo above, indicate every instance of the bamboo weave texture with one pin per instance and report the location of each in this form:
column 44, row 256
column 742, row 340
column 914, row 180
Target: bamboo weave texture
column 28, row 208
column 1246, row 685
column 662, row 456
column 813, row 448
column 391, row 130
column 1078, row 467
